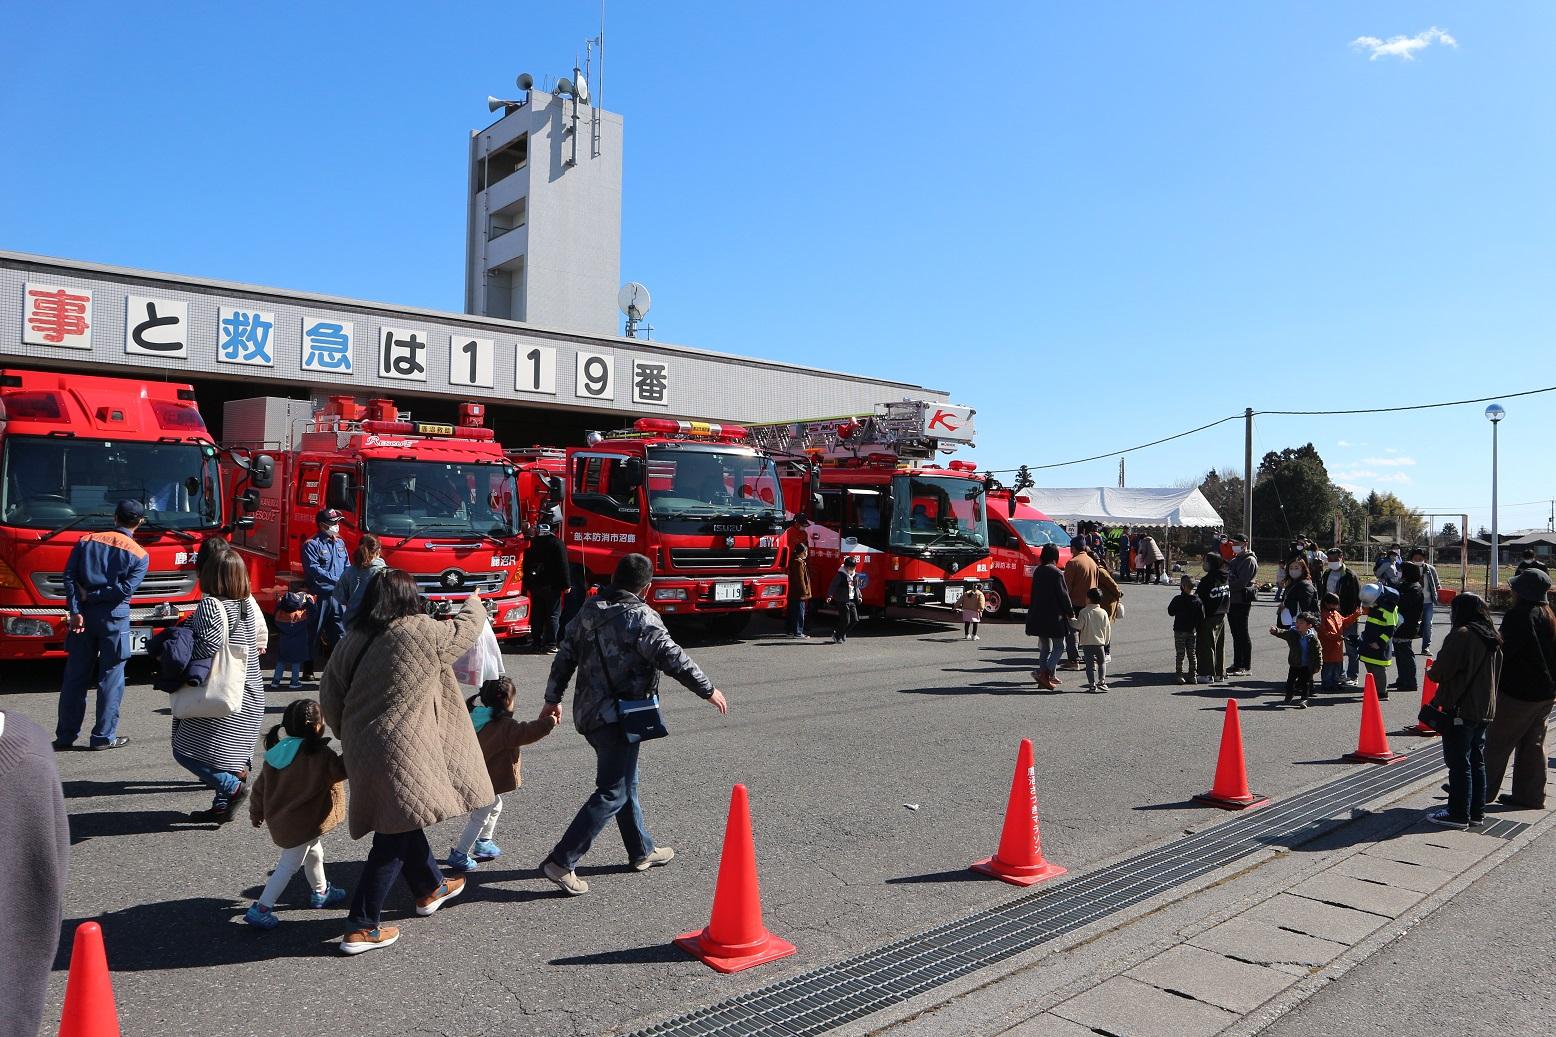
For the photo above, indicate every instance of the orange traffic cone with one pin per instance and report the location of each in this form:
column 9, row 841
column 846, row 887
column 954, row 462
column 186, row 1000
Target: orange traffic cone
column 1230, row 790
column 1428, row 693
column 1372, row 745
column 89, row 1008
column 1019, row 859
column 735, row 939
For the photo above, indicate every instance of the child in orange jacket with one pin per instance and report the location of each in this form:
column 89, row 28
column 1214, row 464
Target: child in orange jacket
column 1331, row 639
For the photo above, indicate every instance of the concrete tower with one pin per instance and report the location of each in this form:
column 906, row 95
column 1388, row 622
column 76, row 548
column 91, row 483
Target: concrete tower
column 543, row 237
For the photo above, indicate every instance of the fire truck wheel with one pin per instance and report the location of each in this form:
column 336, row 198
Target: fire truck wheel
column 996, row 600
column 729, row 626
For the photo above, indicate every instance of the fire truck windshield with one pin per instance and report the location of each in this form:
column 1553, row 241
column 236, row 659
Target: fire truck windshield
column 409, row 498
column 60, row 484
column 701, row 483
column 931, row 511
column 1037, row 532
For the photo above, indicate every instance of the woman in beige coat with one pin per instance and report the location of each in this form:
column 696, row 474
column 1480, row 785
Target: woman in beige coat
column 411, row 754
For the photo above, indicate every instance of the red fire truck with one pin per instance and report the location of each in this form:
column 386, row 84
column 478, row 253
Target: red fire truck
column 73, row 446
column 919, row 531
column 442, row 499
column 693, row 496
column 1017, row 533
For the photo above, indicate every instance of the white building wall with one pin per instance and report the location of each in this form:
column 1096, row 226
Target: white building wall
column 564, row 267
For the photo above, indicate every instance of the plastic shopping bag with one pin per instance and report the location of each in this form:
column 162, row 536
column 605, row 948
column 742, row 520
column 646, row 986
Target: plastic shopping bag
column 482, row 662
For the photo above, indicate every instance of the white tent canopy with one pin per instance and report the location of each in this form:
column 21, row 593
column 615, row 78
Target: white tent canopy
column 1170, row 506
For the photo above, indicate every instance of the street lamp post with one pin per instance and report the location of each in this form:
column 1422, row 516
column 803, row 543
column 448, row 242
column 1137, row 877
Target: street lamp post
column 1494, row 414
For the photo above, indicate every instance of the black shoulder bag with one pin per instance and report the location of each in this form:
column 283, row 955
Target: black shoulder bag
column 640, row 718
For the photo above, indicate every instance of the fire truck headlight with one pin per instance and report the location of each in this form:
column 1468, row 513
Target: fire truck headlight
column 669, row 593
column 773, row 590
column 516, row 613
column 26, row 626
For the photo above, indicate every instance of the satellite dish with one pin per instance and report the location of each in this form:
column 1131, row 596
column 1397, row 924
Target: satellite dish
column 565, row 86
column 634, row 300
column 582, row 86
column 525, row 81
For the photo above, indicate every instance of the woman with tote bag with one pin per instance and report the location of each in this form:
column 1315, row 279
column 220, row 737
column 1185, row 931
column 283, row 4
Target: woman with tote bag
column 215, row 727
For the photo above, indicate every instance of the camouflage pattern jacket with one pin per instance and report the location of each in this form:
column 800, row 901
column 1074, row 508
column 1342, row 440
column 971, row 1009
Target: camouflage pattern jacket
column 619, row 635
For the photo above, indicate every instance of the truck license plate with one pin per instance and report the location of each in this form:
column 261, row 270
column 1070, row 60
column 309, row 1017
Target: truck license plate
column 138, row 638
column 953, row 595
column 729, row 592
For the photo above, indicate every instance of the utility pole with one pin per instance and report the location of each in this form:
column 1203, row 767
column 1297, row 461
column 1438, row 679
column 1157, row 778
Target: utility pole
column 1248, row 476
column 1121, row 473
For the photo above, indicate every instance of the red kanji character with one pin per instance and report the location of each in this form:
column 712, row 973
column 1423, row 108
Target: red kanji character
column 58, row 315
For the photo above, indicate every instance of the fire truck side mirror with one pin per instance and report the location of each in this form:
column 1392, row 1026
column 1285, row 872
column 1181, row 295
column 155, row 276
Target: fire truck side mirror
column 632, row 471
column 262, row 472
column 338, row 492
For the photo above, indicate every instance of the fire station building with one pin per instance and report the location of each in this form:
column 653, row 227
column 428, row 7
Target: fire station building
column 234, row 341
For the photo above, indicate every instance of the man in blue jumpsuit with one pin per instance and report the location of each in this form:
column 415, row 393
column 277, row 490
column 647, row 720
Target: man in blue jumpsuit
column 102, row 574
column 324, row 560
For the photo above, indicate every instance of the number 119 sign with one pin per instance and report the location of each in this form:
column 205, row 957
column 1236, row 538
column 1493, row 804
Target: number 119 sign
column 534, row 369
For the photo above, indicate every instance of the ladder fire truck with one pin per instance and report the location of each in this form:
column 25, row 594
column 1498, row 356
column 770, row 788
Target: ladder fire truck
column 71, row 447
column 695, row 497
column 442, row 499
column 919, row 531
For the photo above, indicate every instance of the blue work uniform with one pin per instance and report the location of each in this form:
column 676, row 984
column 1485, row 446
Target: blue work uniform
column 324, row 561
column 103, row 572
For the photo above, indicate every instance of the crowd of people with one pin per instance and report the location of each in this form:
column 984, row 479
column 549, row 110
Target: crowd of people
column 415, row 751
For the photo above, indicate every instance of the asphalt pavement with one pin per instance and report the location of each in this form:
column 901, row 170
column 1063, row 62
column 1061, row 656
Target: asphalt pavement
column 877, row 771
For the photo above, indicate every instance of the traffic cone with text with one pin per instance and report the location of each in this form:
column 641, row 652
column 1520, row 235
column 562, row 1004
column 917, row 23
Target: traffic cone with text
column 1230, row 789
column 1428, row 693
column 1019, row 859
column 1372, row 744
column 735, row 939
column 89, row 1009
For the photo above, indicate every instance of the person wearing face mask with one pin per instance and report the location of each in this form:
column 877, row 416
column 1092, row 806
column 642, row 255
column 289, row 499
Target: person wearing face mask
column 1301, row 595
column 1387, row 569
column 1412, row 601
column 1242, row 574
column 1340, row 581
column 1431, row 587
column 324, row 562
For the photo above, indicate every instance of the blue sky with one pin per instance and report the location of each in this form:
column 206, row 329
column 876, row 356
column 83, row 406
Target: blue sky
column 1098, row 224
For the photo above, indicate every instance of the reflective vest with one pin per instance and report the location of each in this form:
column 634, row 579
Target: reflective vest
column 1377, row 631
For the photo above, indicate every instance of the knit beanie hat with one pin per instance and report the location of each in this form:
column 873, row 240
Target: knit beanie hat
column 1530, row 585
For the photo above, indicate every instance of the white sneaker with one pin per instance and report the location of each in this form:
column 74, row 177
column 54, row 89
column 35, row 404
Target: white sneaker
column 567, row 881
column 977, row 638
column 660, row 857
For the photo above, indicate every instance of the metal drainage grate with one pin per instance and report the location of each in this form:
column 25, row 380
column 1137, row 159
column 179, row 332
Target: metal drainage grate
column 830, row 996
column 1503, row 829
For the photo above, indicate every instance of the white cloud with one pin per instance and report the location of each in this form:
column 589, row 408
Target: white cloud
column 1394, row 477
column 1342, row 443
column 1390, row 450
column 1389, row 462
column 1351, row 476
column 1402, row 47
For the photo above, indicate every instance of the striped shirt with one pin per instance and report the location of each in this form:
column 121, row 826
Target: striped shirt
column 226, row 743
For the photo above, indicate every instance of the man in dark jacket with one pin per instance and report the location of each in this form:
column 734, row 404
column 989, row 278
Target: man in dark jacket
column 1048, row 615
column 1216, row 597
column 324, row 562
column 1242, row 574
column 1525, row 695
column 545, row 580
column 1338, row 579
column 102, row 574
column 618, row 647
column 1412, row 603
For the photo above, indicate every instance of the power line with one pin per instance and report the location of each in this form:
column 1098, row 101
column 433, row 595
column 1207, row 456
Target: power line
column 1282, row 413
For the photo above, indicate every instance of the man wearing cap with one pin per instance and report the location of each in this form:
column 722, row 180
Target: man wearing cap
column 103, row 572
column 1241, row 575
column 324, row 560
column 1339, row 580
column 545, row 578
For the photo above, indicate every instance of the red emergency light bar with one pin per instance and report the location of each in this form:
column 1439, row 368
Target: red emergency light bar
column 693, row 429
column 962, row 466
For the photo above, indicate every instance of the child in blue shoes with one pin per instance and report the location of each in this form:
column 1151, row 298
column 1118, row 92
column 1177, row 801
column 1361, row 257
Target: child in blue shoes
column 301, row 795
column 501, row 738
